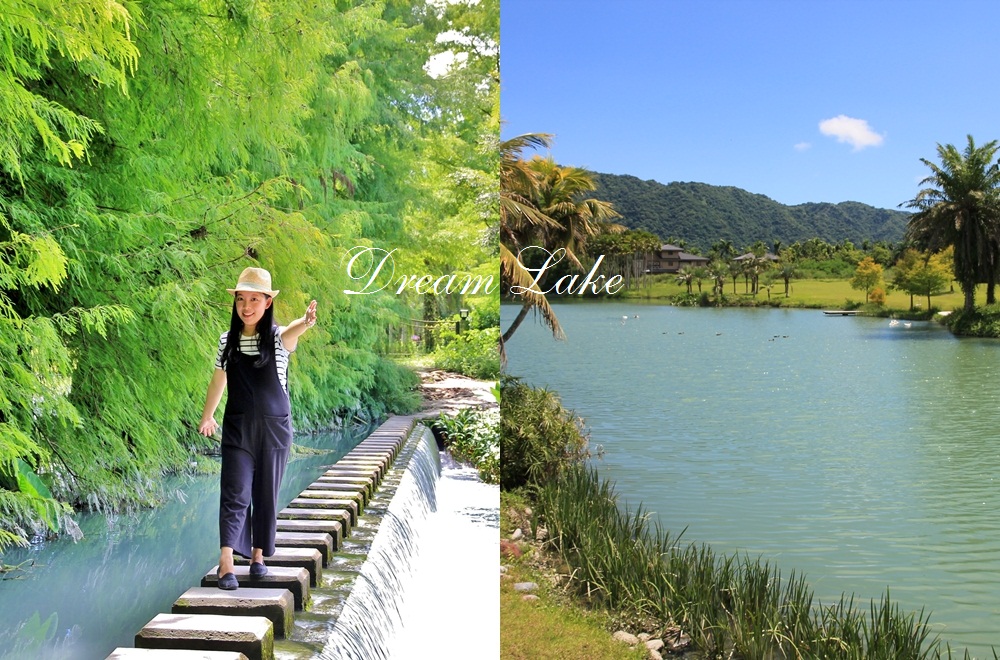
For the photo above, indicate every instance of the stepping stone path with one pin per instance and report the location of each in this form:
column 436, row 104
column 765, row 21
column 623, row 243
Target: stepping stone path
column 207, row 623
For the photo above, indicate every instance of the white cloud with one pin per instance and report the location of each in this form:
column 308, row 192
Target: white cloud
column 802, row 146
column 855, row 132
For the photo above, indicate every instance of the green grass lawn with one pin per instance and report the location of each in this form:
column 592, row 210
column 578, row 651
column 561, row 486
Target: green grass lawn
column 552, row 628
column 825, row 294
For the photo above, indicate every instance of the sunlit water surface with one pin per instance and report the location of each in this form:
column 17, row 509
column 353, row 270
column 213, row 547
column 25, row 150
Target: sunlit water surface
column 865, row 454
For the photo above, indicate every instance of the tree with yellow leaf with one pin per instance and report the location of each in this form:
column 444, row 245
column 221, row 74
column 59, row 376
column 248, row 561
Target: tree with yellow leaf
column 867, row 276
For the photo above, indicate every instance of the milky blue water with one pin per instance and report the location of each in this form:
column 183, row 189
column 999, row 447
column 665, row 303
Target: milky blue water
column 864, row 454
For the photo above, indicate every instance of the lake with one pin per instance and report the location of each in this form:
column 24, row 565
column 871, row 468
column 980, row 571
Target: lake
column 865, row 454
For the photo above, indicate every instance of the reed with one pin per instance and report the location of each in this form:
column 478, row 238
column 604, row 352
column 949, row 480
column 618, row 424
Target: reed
column 730, row 606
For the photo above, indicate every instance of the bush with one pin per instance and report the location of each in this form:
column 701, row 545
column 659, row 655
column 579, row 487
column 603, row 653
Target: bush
column 485, row 314
column 473, row 436
column 472, row 353
column 538, row 437
column 394, row 390
column 980, row 322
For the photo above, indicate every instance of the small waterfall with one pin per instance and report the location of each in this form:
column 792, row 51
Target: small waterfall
column 371, row 613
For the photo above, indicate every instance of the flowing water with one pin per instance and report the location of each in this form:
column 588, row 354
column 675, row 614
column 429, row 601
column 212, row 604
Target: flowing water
column 78, row 601
column 863, row 453
column 371, row 614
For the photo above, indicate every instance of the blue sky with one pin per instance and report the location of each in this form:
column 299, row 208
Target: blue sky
column 802, row 101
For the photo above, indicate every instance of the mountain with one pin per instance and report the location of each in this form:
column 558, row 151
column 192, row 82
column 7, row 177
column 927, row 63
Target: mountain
column 702, row 214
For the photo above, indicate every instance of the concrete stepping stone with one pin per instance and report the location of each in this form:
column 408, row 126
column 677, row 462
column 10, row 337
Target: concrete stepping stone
column 307, row 558
column 381, row 442
column 128, row 653
column 362, row 464
column 371, row 469
column 332, row 527
column 375, row 453
column 351, row 506
column 321, row 541
column 253, row 636
column 295, row 580
column 381, row 458
column 277, row 605
column 377, row 448
column 333, row 483
column 340, row 473
column 343, row 515
column 372, row 474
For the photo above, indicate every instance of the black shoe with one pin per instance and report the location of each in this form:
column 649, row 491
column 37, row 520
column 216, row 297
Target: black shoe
column 258, row 569
column 229, row 582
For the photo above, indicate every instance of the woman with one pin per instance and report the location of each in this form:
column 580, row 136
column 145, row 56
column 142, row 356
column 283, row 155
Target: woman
column 252, row 361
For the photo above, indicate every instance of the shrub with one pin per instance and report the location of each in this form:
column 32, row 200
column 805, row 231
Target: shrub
column 473, row 436
column 472, row 353
column 538, row 437
column 394, row 389
column 485, row 314
column 980, row 322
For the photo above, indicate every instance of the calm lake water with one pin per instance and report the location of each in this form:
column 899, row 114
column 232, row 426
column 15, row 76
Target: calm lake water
column 864, row 454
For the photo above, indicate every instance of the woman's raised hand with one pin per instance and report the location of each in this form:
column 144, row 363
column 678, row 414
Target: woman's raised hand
column 310, row 317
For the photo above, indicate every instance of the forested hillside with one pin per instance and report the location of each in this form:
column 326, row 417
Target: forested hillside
column 149, row 151
column 701, row 214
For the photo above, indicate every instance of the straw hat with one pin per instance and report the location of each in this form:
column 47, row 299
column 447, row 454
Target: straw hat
column 257, row 280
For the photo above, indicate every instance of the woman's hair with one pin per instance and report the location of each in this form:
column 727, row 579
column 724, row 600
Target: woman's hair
column 265, row 338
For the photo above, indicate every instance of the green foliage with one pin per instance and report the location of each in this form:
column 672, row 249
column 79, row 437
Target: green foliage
column 982, row 321
column 92, row 37
column 704, row 214
column 472, row 436
column 472, row 353
column 958, row 209
column 149, row 152
column 922, row 274
column 538, row 437
column 485, row 314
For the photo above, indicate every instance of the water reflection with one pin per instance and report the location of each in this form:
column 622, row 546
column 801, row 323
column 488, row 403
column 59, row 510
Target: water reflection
column 81, row 600
column 861, row 453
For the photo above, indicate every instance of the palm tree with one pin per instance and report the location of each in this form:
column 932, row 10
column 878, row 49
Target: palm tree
column 546, row 206
column 787, row 270
column 723, row 249
column 686, row 277
column 700, row 274
column 560, row 195
column 521, row 223
column 961, row 207
column 718, row 270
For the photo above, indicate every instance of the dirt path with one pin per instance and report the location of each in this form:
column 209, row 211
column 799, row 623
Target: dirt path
column 447, row 392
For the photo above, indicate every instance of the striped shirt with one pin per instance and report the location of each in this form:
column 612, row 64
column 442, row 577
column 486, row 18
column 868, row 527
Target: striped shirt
column 248, row 346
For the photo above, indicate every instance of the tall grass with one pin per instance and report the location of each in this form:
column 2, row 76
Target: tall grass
column 730, row 606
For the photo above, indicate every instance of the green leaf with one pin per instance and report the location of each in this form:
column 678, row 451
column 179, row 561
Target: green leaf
column 30, row 483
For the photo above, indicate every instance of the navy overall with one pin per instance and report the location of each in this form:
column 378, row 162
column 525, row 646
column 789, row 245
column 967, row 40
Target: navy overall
column 256, row 438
